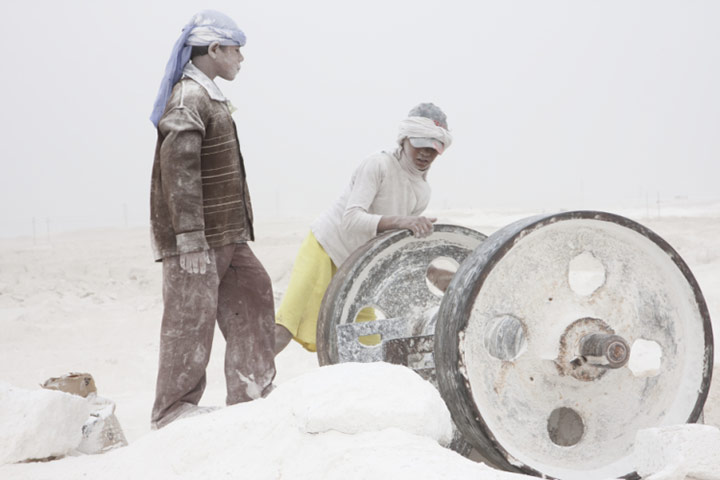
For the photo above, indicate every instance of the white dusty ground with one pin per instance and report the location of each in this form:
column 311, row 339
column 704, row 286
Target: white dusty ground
column 90, row 302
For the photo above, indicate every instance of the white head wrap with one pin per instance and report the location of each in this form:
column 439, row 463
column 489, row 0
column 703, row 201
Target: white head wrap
column 422, row 127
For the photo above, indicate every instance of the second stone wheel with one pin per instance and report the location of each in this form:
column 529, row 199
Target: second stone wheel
column 389, row 274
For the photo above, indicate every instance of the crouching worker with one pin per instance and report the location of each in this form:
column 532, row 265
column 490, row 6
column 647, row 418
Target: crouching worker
column 201, row 220
column 389, row 190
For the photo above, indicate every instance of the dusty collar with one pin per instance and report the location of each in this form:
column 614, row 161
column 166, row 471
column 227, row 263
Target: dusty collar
column 196, row 74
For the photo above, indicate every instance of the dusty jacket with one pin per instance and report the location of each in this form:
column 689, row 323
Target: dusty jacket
column 199, row 197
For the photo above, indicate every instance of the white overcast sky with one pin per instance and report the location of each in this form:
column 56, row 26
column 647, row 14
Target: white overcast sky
column 553, row 104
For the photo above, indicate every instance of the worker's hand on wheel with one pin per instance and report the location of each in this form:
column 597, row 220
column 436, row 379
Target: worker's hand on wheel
column 419, row 226
column 195, row 262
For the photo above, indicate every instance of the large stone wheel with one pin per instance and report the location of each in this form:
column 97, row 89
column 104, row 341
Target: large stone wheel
column 534, row 335
column 388, row 274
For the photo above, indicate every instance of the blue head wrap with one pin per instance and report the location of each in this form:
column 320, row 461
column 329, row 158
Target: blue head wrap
column 204, row 28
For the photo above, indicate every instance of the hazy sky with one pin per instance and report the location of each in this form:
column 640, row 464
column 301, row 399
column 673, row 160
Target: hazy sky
column 553, row 104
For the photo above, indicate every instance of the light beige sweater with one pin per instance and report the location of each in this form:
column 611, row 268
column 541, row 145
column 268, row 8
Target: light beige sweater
column 379, row 186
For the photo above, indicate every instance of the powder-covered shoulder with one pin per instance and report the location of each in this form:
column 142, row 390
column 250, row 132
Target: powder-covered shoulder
column 373, row 170
column 189, row 93
column 189, row 102
column 194, row 89
column 378, row 162
column 187, row 108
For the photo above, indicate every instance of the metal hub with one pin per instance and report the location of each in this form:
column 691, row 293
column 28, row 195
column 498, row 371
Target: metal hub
column 570, row 360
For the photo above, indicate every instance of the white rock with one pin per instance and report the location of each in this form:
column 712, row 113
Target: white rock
column 36, row 424
column 679, row 451
column 101, row 432
column 383, row 396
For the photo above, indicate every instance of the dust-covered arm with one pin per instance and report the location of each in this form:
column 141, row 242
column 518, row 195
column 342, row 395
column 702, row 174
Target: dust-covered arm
column 181, row 177
column 364, row 187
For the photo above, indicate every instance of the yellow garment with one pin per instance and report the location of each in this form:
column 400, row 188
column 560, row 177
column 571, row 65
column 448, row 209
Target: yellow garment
column 300, row 306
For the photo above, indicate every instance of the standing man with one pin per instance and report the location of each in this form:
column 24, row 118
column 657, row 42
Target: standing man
column 201, row 220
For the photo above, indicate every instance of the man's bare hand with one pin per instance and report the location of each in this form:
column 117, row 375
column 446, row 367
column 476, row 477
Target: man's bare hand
column 195, row 262
column 419, row 226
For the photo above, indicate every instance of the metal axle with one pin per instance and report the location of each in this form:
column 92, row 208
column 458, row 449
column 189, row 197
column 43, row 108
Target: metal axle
column 604, row 349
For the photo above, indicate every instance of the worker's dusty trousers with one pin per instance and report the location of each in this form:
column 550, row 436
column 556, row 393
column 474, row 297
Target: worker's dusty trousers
column 236, row 290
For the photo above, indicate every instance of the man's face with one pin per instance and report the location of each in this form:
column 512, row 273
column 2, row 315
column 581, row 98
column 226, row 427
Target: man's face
column 422, row 158
column 227, row 61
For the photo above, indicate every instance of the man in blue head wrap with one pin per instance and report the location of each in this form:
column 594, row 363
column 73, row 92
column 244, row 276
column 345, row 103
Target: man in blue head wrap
column 201, row 219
